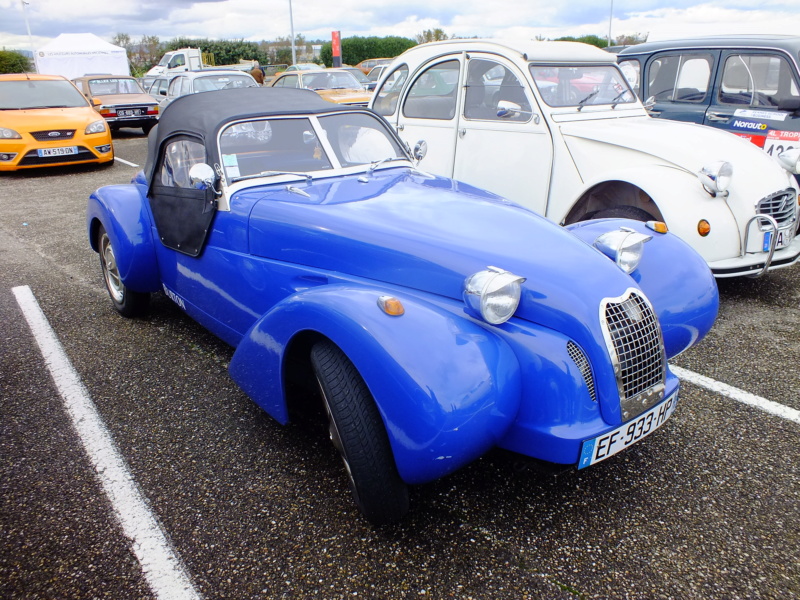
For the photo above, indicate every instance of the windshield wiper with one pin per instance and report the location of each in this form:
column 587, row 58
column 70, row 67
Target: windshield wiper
column 617, row 97
column 306, row 176
column 53, row 106
column 585, row 100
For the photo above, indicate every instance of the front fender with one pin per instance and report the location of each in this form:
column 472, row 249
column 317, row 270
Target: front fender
column 446, row 388
column 674, row 277
column 122, row 210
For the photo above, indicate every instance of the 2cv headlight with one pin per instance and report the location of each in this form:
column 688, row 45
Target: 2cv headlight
column 790, row 159
column 716, row 177
column 493, row 294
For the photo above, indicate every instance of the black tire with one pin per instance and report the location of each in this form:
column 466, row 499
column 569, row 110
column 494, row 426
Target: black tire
column 624, row 212
column 356, row 430
column 127, row 303
column 146, row 128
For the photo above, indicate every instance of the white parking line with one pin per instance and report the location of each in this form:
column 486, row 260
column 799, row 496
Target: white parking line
column 130, row 164
column 162, row 568
column 773, row 408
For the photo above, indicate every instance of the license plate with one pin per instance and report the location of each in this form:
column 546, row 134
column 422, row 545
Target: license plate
column 784, row 237
column 608, row 444
column 132, row 112
column 57, row 151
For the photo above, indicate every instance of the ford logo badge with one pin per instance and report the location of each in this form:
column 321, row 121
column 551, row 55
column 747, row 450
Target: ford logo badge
column 54, row 134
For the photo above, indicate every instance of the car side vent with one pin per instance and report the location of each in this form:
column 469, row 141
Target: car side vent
column 580, row 360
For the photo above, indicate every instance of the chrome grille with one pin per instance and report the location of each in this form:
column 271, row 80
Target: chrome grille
column 633, row 336
column 53, row 135
column 781, row 206
column 580, row 360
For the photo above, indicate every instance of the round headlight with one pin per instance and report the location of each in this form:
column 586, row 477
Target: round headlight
column 97, row 127
column 624, row 246
column 493, row 294
column 716, row 177
column 790, row 159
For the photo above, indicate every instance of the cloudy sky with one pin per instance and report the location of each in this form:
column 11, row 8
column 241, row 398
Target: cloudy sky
column 256, row 20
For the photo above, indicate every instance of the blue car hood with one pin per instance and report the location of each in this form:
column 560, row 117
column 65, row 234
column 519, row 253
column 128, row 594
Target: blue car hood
column 429, row 234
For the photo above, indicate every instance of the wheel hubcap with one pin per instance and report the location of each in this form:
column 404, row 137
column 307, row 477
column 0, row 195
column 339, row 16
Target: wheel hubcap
column 110, row 270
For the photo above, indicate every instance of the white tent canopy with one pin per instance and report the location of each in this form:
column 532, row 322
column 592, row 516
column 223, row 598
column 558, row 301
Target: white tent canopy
column 77, row 54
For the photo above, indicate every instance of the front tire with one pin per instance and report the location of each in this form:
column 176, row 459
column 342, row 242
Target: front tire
column 356, row 430
column 127, row 303
column 633, row 213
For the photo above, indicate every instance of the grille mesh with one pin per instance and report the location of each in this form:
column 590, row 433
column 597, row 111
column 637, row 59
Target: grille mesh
column 580, row 360
column 44, row 136
column 780, row 206
column 636, row 339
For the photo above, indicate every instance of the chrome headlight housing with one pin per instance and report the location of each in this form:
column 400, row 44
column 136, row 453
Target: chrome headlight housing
column 790, row 160
column 493, row 294
column 9, row 134
column 96, row 127
column 716, row 177
column 624, row 246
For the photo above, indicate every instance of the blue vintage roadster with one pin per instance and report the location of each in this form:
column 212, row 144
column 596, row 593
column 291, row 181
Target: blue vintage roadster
column 434, row 320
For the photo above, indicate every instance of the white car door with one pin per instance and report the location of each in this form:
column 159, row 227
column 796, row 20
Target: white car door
column 428, row 114
column 512, row 154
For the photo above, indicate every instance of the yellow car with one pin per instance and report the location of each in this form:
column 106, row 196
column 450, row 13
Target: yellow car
column 46, row 121
column 334, row 85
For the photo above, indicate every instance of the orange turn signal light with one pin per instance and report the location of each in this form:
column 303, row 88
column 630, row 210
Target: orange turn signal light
column 391, row 306
column 657, row 226
column 703, row 228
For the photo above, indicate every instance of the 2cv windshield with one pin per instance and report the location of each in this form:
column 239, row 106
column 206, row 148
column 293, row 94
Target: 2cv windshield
column 305, row 145
column 571, row 85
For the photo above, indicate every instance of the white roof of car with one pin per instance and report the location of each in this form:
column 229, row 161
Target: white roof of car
column 529, row 50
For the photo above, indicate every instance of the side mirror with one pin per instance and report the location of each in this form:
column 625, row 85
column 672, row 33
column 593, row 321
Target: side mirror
column 162, row 92
column 512, row 110
column 202, row 176
column 420, row 150
column 96, row 102
column 649, row 103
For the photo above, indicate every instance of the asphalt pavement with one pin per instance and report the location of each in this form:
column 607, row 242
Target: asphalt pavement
column 706, row 507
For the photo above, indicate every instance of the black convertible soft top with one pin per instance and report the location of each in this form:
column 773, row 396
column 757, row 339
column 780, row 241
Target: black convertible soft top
column 202, row 115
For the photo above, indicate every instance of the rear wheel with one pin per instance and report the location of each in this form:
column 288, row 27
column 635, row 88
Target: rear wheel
column 126, row 302
column 356, row 430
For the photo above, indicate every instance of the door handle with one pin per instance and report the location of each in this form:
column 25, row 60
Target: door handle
column 462, row 132
column 714, row 116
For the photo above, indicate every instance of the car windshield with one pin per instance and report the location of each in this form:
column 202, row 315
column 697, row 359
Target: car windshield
column 580, row 86
column 112, row 85
column 331, row 80
column 263, row 147
column 210, row 83
column 359, row 75
column 37, row 93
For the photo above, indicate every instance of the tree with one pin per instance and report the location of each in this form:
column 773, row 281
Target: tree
column 431, row 35
column 594, row 40
column 14, row 62
column 355, row 49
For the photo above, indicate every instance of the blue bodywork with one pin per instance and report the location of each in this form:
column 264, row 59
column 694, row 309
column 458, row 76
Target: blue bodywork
column 448, row 386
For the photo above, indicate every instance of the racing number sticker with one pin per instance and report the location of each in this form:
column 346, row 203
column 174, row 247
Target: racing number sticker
column 780, row 141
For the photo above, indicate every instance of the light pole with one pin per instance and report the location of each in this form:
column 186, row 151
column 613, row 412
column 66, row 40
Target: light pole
column 28, row 27
column 291, row 26
column 610, row 15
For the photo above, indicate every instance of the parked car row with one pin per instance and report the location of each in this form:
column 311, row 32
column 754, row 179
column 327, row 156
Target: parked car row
column 397, row 274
